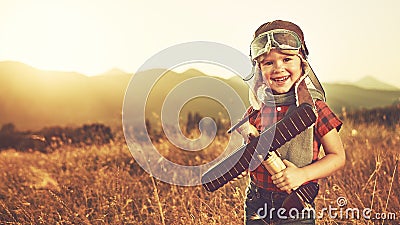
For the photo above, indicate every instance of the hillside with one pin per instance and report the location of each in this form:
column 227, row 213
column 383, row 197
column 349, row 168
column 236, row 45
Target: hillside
column 32, row 98
column 354, row 98
column 370, row 82
column 175, row 86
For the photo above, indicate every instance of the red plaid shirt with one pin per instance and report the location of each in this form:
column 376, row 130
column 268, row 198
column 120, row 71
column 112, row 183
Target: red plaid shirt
column 326, row 121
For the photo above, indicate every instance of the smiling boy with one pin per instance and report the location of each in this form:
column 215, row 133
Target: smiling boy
column 279, row 54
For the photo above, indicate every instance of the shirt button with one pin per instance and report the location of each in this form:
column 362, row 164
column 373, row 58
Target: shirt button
column 278, row 108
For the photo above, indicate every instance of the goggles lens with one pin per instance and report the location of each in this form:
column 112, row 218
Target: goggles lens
column 279, row 38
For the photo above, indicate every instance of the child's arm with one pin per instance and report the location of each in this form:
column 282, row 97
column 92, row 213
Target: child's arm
column 333, row 160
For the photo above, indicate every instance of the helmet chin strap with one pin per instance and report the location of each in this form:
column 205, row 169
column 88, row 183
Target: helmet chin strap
column 308, row 72
column 302, row 93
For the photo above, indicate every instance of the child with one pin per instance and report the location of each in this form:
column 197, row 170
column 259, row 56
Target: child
column 279, row 55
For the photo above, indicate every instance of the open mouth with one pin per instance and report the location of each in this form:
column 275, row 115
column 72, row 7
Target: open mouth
column 281, row 79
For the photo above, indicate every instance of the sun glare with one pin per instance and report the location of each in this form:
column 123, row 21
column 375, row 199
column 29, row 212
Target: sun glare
column 53, row 36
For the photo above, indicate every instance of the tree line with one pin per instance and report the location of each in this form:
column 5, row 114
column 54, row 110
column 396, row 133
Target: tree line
column 50, row 138
column 387, row 116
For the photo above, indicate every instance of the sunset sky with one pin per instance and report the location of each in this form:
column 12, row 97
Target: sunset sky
column 347, row 39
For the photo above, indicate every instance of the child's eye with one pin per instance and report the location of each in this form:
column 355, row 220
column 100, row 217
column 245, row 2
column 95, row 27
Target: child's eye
column 287, row 59
column 267, row 63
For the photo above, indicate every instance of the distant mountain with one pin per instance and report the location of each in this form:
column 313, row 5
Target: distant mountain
column 171, row 81
column 370, row 82
column 114, row 72
column 353, row 98
column 32, row 98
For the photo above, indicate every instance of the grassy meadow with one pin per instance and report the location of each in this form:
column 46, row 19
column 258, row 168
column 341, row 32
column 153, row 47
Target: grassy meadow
column 102, row 184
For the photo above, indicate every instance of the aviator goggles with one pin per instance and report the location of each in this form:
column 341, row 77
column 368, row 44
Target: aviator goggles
column 279, row 38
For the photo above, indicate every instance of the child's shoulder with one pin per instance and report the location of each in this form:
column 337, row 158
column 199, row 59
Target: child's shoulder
column 323, row 109
column 327, row 119
column 321, row 104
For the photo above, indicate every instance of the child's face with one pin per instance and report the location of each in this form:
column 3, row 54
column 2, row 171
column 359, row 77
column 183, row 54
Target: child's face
column 280, row 71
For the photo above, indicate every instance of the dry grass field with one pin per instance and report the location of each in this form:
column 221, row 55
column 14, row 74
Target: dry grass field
column 102, row 184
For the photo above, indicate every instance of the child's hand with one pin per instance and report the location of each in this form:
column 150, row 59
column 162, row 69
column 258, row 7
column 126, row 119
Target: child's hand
column 290, row 178
column 248, row 131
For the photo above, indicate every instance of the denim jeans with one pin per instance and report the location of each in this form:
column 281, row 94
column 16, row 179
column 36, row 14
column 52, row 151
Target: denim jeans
column 264, row 207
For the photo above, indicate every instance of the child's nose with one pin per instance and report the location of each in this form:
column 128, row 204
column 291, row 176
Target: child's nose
column 278, row 67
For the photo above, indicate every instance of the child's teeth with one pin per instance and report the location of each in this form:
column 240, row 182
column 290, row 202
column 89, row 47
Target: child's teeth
column 281, row 79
